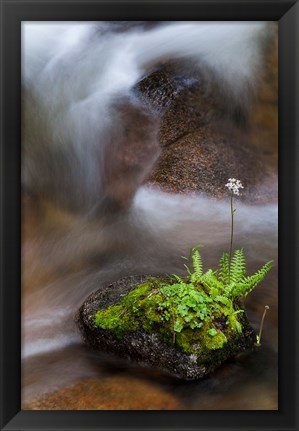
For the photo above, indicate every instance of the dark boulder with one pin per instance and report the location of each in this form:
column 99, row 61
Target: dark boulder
column 207, row 136
column 145, row 347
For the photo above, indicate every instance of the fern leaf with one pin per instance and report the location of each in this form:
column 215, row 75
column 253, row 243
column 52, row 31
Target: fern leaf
column 197, row 265
column 229, row 289
column 247, row 284
column 223, row 300
column 178, row 279
column 238, row 266
column 238, row 289
column 210, row 281
column 251, row 282
column 224, row 268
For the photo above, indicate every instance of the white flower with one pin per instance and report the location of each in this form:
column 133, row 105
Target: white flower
column 234, row 186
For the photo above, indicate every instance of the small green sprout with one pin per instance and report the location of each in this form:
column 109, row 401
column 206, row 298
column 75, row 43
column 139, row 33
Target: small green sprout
column 259, row 335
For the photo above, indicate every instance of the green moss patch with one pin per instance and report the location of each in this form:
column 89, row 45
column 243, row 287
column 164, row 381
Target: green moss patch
column 199, row 314
column 187, row 318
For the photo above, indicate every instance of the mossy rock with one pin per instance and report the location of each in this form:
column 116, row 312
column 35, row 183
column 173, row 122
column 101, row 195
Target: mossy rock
column 124, row 319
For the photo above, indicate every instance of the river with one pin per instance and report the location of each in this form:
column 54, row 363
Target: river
column 70, row 248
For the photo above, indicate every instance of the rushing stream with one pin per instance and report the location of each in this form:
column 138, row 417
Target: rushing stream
column 74, row 241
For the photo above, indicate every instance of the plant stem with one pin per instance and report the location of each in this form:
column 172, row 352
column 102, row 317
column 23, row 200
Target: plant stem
column 231, row 235
column 174, row 319
column 259, row 336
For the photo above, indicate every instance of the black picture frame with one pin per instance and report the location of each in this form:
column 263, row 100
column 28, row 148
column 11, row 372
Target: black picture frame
column 12, row 14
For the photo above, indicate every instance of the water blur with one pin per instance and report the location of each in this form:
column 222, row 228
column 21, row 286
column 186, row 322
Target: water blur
column 81, row 229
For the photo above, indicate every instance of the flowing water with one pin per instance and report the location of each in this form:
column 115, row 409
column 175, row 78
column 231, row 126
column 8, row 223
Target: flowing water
column 72, row 246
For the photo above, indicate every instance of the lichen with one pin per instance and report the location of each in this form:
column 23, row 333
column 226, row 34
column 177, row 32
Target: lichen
column 141, row 309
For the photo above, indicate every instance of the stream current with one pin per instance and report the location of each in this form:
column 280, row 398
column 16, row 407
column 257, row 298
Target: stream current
column 67, row 254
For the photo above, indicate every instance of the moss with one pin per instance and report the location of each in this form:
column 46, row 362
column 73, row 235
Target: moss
column 126, row 315
column 216, row 341
column 200, row 341
column 133, row 298
column 115, row 319
column 141, row 308
column 190, row 341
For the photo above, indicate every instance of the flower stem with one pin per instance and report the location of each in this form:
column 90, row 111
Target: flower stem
column 259, row 336
column 231, row 235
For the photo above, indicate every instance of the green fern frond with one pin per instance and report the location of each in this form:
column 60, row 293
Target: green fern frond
column 247, row 284
column 223, row 300
column 229, row 289
column 197, row 265
column 238, row 266
column 178, row 279
column 210, row 281
column 224, row 268
column 235, row 290
column 252, row 281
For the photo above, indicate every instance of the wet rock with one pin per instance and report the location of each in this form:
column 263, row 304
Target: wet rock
column 206, row 136
column 108, row 393
column 148, row 348
column 202, row 161
column 129, row 156
column 184, row 99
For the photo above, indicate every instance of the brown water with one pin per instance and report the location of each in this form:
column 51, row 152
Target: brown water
column 62, row 265
column 66, row 256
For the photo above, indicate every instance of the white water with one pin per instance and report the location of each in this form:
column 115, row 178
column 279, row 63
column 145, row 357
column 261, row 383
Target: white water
column 77, row 76
column 158, row 229
column 76, row 79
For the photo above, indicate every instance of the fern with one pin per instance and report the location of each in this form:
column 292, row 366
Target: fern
column 228, row 289
column 247, row 284
column 238, row 266
column 177, row 278
column 210, row 281
column 224, row 268
column 190, row 300
column 235, row 290
column 251, row 282
column 217, row 282
column 223, row 300
column 197, row 265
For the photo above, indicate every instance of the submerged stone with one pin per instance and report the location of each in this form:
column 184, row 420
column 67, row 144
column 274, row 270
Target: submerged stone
column 126, row 319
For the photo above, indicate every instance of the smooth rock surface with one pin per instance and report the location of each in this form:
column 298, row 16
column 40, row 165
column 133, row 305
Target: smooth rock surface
column 207, row 137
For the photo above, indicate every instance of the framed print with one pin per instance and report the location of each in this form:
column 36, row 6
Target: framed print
column 149, row 215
